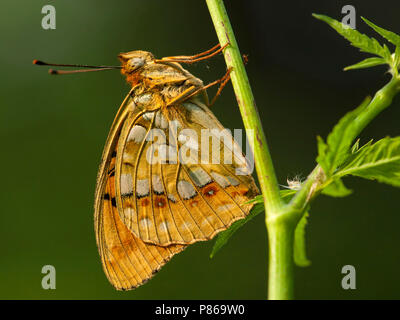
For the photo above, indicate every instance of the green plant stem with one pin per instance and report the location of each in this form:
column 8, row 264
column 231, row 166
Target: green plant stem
column 309, row 188
column 281, row 219
column 281, row 239
column 382, row 99
column 281, row 265
column 247, row 106
column 280, row 233
column 317, row 179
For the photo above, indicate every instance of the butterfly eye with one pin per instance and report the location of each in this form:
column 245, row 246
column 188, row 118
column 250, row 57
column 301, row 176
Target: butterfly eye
column 135, row 63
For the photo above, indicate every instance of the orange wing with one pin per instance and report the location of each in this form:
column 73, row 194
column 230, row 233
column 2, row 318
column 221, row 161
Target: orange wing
column 171, row 202
column 127, row 261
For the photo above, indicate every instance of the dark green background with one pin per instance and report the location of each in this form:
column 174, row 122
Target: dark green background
column 53, row 129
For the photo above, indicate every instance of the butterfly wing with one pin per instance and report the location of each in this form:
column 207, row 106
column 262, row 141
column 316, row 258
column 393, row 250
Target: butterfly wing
column 127, row 261
column 171, row 202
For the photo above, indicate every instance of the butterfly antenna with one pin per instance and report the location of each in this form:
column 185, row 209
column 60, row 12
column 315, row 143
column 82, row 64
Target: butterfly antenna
column 90, row 68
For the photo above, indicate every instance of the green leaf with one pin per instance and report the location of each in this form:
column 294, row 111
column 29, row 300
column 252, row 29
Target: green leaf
column 300, row 257
column 396, row 59
column 287, row 194
column 367, row 63
column 355, row 146
column 322, row 151
column 258, row 201
column 388, row 35
column 336, row 189
column 224, row 236
column 335, row 151
column 357, row 39
column 379, row 161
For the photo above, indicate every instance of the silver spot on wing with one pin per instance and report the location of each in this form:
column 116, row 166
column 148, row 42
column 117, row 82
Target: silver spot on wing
column 142, row 188
column 220, row 179
column 186, row 190
column 126, row 185
column 200, row 177
column 137, row 134
column 158, row 187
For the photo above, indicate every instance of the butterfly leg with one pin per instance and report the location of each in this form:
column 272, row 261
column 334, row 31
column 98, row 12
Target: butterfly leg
column 195, row 58
column 216, row 47
column 224, row 80
column 222, row 83
column 189, row 92
column 193, row 90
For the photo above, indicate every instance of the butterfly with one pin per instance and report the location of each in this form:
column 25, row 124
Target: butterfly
column 158, row 188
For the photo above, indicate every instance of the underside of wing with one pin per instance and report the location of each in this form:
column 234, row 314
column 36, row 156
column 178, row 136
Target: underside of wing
column 172, row 197
column 127, row 261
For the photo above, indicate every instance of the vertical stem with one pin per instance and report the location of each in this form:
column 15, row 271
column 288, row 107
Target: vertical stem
column 280, row 229
column 281, row 266
column 247, row 106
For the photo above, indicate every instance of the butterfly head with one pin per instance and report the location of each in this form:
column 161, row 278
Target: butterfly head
column 134, row 60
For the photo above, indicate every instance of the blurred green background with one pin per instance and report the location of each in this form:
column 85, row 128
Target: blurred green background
column 53, row 129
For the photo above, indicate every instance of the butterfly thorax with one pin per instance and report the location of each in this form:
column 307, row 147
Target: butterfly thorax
column 164, row 83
